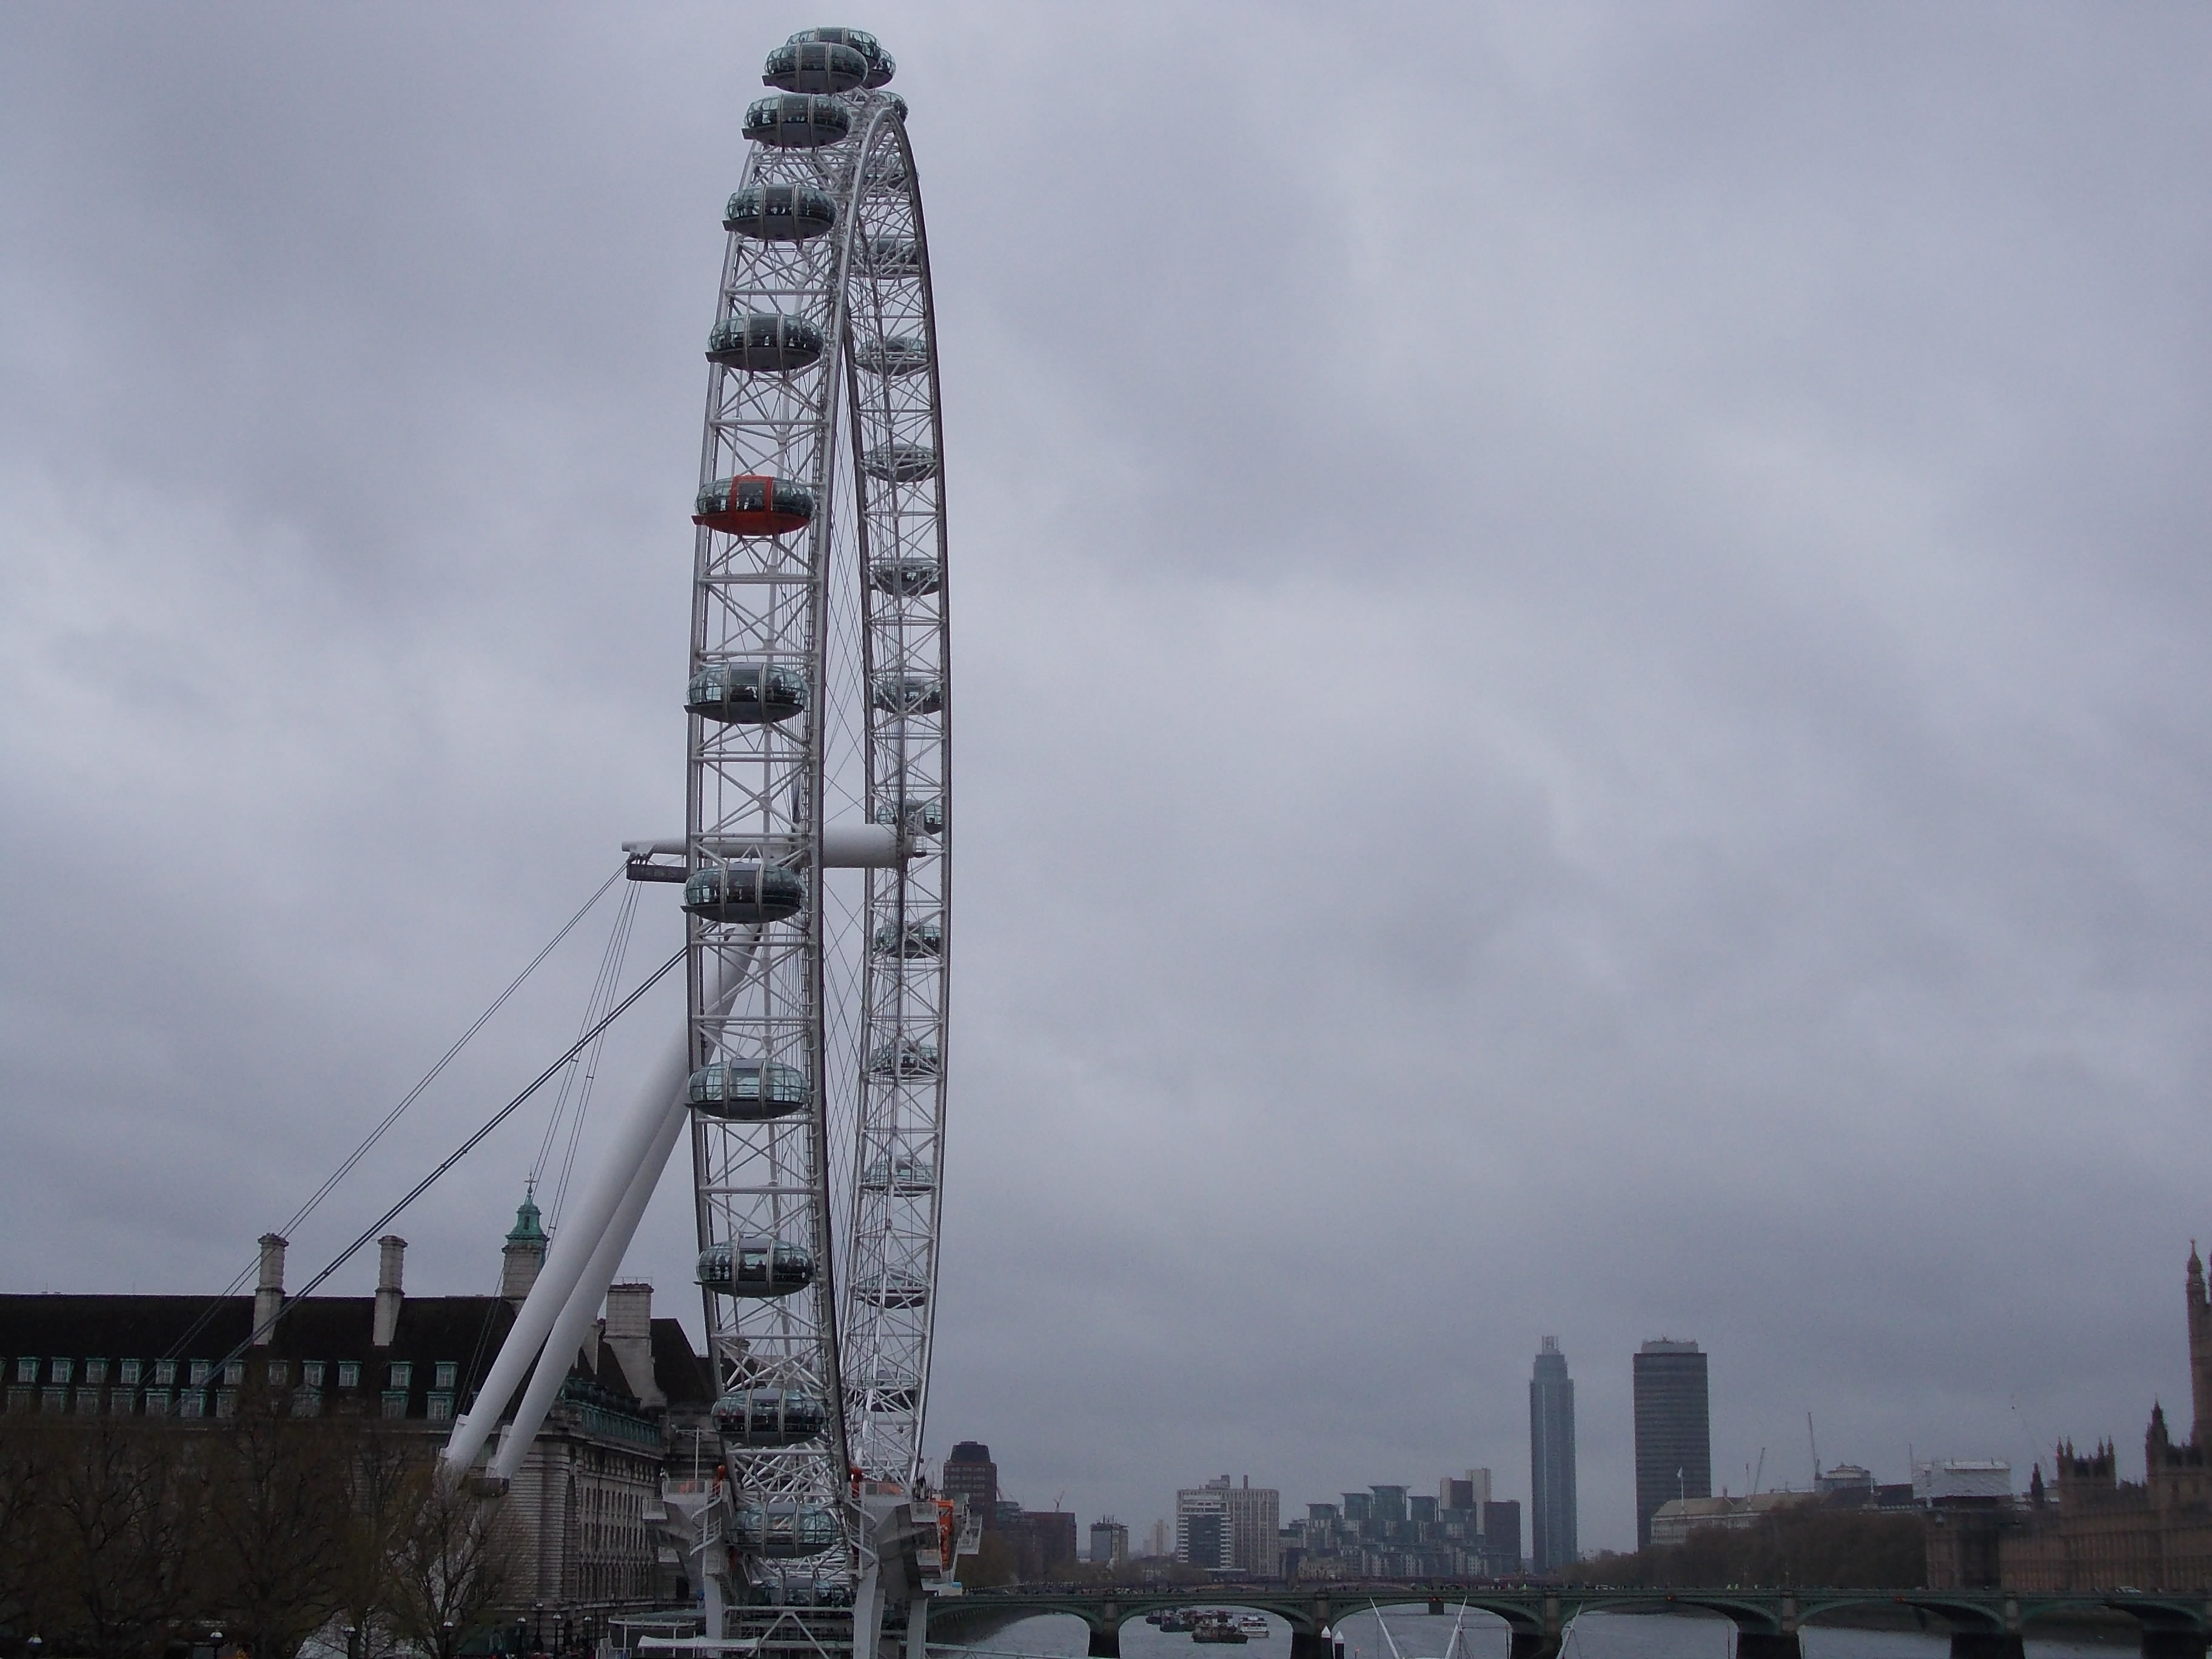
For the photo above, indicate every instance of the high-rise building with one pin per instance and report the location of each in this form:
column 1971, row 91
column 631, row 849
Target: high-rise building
column 969, row 1473
column 1552, row 1460
column 1109, row 1543
column 1227, row 1529
column 1673, row 1430
column 1501, row 1538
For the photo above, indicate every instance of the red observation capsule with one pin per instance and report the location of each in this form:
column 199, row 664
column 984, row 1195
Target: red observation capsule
column 754, row 506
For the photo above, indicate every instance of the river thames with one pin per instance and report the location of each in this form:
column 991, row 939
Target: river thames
column 1597, row 1636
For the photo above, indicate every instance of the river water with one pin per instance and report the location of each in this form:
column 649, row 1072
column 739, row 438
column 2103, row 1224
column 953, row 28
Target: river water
column 1421, row 1635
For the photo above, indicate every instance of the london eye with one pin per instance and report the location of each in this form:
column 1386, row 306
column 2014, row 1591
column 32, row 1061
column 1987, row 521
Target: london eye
column 814, row 863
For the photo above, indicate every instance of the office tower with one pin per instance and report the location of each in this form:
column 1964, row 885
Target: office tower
column 970, row 1473
column 1673, row 1430
column 1501, row 1538
column 1552, row 1460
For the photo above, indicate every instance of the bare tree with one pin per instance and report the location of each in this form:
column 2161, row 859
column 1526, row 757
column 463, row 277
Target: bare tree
column 276, row 1525
column 113, row 1527
column 456, row 1568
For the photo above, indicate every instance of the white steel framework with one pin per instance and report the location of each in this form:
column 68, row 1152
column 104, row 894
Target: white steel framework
column 823, row 988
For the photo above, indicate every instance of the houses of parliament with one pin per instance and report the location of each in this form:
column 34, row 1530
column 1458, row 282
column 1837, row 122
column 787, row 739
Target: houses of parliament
column 2095, row 1531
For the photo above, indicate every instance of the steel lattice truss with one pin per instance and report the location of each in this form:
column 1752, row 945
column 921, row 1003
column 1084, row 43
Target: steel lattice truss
column 842, row 1001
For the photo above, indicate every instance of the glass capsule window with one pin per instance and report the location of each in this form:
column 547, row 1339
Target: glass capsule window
column 904, row 1058
column 778, row 213
column 797, row 120
column 907, row 694
column 905, row 577
column 746, row 692
column 756, row 1267
column 743, row 893
column 823, row 66
column 917, row 938
column 769, row 1417
column 748, row 1089
column 765, row 341
column 924, row 818
column 893, row 355
column 782, row 1531
column 900, row 462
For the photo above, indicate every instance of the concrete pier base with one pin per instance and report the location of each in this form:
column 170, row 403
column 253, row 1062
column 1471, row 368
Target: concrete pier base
column 1987, row 1644
column 1106, row 1644
column 1768, row 1644
column 1534, row 1644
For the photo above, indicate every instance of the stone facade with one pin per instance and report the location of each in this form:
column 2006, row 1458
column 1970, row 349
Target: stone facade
column 2098, row 1532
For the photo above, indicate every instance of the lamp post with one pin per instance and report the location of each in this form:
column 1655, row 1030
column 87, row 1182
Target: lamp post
column 353, row 1641
column 445, row 1638
column 538, row 1625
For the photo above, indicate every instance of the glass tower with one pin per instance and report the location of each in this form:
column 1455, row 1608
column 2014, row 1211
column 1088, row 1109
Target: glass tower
column 1552, row 1460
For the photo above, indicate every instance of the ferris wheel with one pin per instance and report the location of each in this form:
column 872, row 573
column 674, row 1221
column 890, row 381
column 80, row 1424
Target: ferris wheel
column 817, row 843
column 816, row 870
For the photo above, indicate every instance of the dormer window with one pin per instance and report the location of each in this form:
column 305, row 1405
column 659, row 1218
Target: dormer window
column 445, row 1373
column 403, row 1373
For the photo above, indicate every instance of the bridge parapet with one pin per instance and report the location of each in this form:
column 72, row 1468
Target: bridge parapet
column 1982, row 1625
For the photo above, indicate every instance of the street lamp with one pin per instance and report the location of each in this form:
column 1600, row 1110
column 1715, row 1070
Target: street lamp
column 353, row 1641
column 445, row 1638
column 538, row 1625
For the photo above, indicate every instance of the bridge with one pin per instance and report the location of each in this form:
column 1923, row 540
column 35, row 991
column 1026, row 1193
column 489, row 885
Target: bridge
column 1981, row 1624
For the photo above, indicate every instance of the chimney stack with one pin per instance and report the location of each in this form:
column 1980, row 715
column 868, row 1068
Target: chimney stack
column 269, row 1292
column 391, row 1262
column 629, row 1334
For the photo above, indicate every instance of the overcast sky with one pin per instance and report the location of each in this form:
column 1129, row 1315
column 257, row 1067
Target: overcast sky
column 1582, row 641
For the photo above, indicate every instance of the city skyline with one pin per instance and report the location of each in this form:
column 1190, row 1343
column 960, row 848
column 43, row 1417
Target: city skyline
column 1757, row 512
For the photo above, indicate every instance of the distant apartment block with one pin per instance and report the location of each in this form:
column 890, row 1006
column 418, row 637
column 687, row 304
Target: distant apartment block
column 1230, row 1529
column 1109, row 1543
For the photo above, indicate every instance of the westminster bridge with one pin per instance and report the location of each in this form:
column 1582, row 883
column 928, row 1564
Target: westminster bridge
column 1981, row 1624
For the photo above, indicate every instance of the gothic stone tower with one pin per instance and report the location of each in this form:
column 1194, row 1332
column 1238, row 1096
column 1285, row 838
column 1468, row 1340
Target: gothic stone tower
column 2200, row 1354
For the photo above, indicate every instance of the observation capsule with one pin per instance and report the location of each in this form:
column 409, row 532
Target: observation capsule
column 893, row 1391
column 905, row 1058
column 756, row 1267
column 744, row 893
column 893, row 1290
column 922, row 817
column 747, row 1090
column 778, row 213
column 908, row 694
column 796, row 121
column 814, row 66
column 890, row 255
column 905, row 1175
column 784, row 1530
column 916, row 939
column 754, row 506
column 746, row 692
column 770, row 1417
column 905, row 577
column 893, row 354
column 881, row 66
column 765, row 342
column 900, row 462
